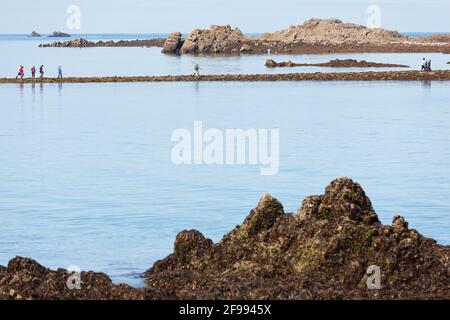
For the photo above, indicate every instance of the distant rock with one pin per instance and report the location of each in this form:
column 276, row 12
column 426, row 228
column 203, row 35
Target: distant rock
column 215, row 40
column 337, row 63
column 83, row 43
column 173, row 43
column 334, row 32
column 35, row 34
column 435, row 38
column 59, row 34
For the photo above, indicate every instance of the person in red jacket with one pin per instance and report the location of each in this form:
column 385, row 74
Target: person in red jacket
column 21, row 73
column 33, row 72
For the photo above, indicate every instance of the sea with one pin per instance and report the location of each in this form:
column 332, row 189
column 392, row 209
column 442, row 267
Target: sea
column 87, row 172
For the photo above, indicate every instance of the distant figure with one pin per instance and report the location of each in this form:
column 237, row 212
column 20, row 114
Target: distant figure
column 41, row 71
column 197, row 70
column 429, row 65
column 60, row 75
column 268, row 51
column 33, row 72
column 21, row 72
column 424, row 64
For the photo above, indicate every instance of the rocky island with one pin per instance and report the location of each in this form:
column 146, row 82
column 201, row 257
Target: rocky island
column 323, row 251
column 34, row 34
column 313, row 36
column 83, row 43
column 346, row 63
column 59, row 34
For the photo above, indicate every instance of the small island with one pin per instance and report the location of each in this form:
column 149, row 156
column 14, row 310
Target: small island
column 59, row 34
column 34, row 34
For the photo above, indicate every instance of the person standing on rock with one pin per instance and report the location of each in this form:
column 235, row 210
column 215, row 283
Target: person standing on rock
column 41, row 71
column 60, row 75
column 33, row 72
column 424, row 64
column 429, row 65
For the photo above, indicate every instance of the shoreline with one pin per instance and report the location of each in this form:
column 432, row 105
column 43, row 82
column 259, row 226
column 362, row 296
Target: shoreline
column 439, row 75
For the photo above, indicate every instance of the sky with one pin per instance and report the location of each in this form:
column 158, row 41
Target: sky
column 251, row 16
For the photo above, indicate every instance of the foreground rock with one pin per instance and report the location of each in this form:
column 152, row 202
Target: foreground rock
column 25, row 279
column 347, row 63
column 321, row 252
column 83, row 43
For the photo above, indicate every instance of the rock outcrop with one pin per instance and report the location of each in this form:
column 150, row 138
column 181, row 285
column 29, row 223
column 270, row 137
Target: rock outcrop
column 326, row 250
column 439, row 38
column 59, row 34
column 346, row 63
column 34, row 34
column 334, row 32
column 173, row 43
column 25, row 279
column 215, row 40
column 323, row 251
column 313, row 36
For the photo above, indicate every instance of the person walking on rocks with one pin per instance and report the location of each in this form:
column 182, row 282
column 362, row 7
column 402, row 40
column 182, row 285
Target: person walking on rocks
column 21, row 72
column 33, row 72
column 60, row 75
column 429, row 65
column 41, row 71
column 424, row 64
column 197, row 70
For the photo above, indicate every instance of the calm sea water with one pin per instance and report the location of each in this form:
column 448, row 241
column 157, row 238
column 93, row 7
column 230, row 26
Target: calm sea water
column 24, row 50
column 87, row 177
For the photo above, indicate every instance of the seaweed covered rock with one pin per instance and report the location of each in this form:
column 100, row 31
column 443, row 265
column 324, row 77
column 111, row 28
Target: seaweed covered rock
column 323, row 251
column 25, row 279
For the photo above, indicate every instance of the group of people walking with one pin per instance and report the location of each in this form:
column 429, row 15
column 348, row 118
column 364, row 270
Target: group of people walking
column 21, row 73
column 426, row 65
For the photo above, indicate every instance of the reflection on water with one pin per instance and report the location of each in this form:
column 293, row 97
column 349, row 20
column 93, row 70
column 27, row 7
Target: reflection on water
column 426, row 84
column 91, row 183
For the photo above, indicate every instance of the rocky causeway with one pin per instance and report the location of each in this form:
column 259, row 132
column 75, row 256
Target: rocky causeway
column 439, row 75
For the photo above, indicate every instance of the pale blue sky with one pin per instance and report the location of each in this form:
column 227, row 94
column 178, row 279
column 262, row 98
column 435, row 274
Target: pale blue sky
column 148, row 16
